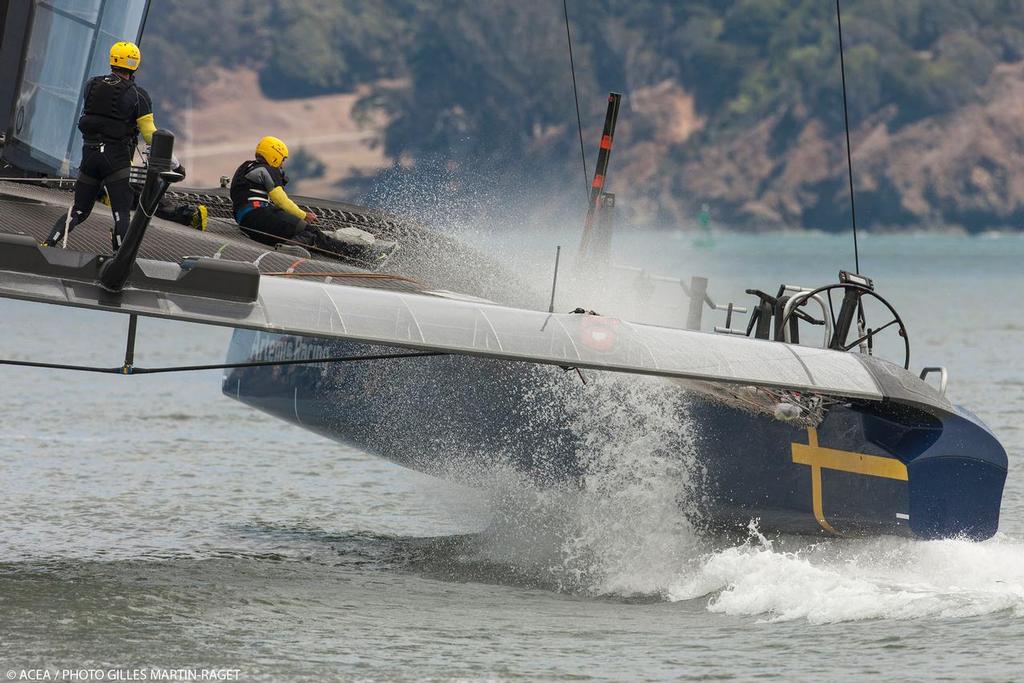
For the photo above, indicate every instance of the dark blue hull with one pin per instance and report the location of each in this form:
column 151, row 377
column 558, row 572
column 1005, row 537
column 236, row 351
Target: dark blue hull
column 888, row 467
column 870, row 468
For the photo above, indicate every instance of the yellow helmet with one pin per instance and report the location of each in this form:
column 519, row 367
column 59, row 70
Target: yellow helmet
column 125, row 55
column 273, row 150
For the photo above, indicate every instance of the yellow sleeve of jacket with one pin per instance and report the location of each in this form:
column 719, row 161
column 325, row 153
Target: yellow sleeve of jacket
column 147, row 127
column 283, row 201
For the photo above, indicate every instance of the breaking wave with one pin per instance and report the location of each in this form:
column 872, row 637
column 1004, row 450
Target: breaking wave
column 846, row 580
column 623, row 525
column 636, row 544
column 625, row 531
column 620, row 527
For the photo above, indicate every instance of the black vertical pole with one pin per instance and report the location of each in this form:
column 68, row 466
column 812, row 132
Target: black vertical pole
column 129, row 348
column 604, row 155
column 115, row 271
column 554, row 280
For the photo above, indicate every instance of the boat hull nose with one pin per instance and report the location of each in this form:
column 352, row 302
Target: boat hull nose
column 953, row 493
column 954, row 496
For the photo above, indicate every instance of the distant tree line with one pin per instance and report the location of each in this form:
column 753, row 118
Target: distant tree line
column 481, row 82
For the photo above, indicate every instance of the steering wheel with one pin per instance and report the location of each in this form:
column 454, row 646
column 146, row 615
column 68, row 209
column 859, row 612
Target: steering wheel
column 869, row 334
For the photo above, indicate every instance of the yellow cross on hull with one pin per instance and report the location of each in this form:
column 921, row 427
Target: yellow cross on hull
column 818, row 458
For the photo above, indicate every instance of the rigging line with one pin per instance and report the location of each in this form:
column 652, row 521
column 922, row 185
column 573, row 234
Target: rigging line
column 344, row 274
column 576, row 97
column 37, row 181
column 128, row 369
column 308, row 247
column 849, row 157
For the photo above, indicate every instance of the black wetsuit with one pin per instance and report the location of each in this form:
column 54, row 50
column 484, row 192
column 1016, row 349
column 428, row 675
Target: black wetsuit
column 108, row 124
column 256, row 214
column 179, row 212
column 264, row 222
column 168, row 209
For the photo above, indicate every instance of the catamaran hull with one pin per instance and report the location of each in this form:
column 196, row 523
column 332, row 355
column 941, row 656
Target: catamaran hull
column 869, row 468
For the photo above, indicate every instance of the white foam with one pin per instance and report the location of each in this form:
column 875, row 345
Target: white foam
column 624, row 531
column 845, row 580
column 621, row 529
column 636, row 541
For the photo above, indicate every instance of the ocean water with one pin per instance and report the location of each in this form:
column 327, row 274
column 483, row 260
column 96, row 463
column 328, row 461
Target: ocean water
column 150, row 522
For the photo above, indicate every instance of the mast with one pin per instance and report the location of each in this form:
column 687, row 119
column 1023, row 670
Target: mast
column 604, row 156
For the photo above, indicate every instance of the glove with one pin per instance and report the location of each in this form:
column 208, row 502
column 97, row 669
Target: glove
column 176, row 166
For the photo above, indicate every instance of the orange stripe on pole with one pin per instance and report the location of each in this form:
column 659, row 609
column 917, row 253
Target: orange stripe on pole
column 598, row 181
column 606, row 142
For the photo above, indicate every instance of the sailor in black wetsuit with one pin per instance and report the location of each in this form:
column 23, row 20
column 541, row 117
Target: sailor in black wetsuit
column 267, row 214
column 179, row 212
column 262, row 208
column 116, row 110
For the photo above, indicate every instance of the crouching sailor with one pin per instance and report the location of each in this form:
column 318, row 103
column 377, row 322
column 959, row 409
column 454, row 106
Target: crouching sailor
column 116, row 110
column 267, row 214
column 177, row 211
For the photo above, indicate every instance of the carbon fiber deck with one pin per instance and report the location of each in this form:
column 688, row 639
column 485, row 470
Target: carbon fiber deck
column 332, row 215
column 31, row 210
column 425, row 260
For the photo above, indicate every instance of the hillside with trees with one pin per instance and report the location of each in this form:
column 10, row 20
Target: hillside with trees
column 735, row 103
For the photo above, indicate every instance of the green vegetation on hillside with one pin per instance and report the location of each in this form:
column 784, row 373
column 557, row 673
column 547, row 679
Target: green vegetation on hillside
column 486, row 84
